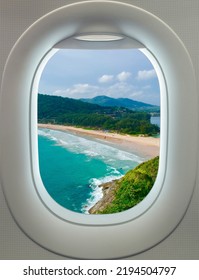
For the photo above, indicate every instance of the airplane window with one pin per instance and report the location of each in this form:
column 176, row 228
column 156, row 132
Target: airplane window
column 98, row 128
column 89, row 103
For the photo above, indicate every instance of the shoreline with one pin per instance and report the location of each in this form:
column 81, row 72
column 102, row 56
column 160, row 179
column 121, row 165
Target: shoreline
column 147, row 147
column 108, row 190
column 143, row 147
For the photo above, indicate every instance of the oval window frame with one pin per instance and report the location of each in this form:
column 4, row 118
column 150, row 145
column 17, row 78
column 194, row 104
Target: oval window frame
column 48, row 201
column 73, row 237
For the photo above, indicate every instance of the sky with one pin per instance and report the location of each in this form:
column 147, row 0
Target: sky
column 126, row 73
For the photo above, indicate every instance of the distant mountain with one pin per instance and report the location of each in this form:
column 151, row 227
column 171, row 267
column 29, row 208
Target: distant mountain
column 121, row 102
column 68, row 111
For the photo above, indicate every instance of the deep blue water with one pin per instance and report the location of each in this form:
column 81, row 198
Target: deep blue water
column 73, row 167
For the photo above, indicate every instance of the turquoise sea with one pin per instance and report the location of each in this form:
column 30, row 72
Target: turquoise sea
column 73, row 167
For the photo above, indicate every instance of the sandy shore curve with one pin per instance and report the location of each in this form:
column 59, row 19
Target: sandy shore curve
column 147, row 147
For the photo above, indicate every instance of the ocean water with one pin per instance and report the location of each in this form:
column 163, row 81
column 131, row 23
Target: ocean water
column 72, row 167
column 155, row 120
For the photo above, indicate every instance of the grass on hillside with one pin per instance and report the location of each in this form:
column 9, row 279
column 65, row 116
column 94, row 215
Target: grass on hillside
column 133, row 187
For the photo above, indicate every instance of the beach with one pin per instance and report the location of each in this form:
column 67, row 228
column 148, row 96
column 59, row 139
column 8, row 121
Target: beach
column 146, row 147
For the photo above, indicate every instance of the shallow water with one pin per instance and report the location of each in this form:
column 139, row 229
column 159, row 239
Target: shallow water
column 72, row 167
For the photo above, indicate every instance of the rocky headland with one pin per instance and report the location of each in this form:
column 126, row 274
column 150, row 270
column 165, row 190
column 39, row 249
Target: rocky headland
column 124, row 193
column 108, row 190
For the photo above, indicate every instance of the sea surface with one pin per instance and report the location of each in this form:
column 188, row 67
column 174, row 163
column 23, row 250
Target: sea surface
column 155, row 120
column 72, row 167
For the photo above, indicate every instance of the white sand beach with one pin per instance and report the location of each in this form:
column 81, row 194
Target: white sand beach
column 147, row 147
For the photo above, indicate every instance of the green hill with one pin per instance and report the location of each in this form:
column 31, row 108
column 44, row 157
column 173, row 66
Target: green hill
column 68, row 111
column 125, row 193
column 122, row 102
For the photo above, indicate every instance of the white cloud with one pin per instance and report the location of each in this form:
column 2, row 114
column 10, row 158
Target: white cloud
column 105, row 79
column 119, row 89
column 123, row 76
column 146, row 74
column 136, row 94
column 78, row 91
column 146, row 87
column 116, row 90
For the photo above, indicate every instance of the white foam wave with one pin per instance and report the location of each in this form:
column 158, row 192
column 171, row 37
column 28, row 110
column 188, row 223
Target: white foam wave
column 113, row 171
column 97, row 192
column 42, row 132
column 89, row 147
column 91, row 153
column 47, row 133
column 118, row 162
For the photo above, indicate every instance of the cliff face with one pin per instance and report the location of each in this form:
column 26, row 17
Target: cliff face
column 108, row 196
column 122, row 194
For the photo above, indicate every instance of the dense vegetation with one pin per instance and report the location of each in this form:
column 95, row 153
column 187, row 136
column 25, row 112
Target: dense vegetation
column 133, row 187
column 67, row 111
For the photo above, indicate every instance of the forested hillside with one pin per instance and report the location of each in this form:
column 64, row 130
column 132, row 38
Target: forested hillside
column 123, row 194
column 67, row 111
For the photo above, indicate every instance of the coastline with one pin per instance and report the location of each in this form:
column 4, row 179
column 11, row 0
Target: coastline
column 108, row 191
column 146, row 147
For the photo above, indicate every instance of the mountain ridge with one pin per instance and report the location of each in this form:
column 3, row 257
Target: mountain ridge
column 131, row 104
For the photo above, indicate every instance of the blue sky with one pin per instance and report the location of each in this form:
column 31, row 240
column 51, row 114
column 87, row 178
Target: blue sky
column 88, row 73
